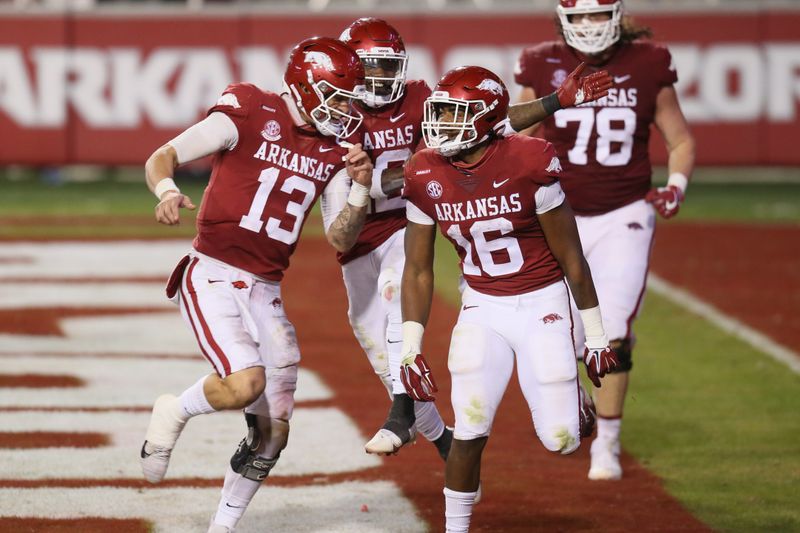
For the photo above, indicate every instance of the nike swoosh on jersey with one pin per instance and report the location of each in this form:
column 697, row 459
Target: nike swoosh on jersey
column 323, row 149
column 552, row 60
column 497, row 184
column 395, row 119
column 621, row 79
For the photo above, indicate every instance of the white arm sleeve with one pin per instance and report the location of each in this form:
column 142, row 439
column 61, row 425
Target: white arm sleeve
column 548, row 198
column 417, row 216
column 334, row 198
column 214, row 133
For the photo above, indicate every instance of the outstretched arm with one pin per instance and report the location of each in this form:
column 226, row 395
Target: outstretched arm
column 214, row 133
column 575, row 90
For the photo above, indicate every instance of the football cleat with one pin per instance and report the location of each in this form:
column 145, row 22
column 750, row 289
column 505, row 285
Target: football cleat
column 387, row 442
column 166, row 424
column 605, row 460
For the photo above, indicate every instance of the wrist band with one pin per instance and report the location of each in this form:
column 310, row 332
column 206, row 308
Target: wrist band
column 551, row 103
column 678, row 180
column 592, row 322
column 412, row 337
column 167, row 184
column 359, row 195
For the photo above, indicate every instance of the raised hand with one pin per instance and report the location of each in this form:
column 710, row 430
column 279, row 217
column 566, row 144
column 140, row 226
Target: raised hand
column 577, row 90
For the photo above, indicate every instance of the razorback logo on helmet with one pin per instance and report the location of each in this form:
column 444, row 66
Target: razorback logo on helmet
column 230, row 100
column 492, row 86
column 319, row 59
column 554, row 166
column 552, row 317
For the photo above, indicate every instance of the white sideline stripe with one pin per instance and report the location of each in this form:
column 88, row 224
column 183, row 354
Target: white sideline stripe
column 329, row 508
column 726, row 323
column 104, row 295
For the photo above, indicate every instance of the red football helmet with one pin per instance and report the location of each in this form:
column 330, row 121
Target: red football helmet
column 463, row 108
column 587, row 36
column 383, row 53
column 325, row 76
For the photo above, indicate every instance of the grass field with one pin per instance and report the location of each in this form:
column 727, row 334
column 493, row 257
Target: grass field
column 712, row 417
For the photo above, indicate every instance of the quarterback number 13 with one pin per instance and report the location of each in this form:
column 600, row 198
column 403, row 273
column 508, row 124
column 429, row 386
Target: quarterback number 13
column 586, row 119
column 252, row 220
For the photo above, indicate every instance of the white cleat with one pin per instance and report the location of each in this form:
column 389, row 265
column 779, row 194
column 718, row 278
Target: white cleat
column 605, row 460
column 386, row 442
column 166, row 423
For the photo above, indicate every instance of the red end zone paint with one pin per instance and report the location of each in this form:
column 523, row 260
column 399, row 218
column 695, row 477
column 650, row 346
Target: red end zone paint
column 84, row 525
column 52, row 439
column 39, row 381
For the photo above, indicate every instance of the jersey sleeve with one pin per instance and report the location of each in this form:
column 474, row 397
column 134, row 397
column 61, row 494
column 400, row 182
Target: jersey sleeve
column 549, row 197
column 236, row 101
column 665, row 72
column 418, row 216
column 548, row 166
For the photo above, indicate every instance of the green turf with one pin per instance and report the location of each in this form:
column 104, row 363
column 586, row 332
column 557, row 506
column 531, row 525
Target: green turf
column 712, row 417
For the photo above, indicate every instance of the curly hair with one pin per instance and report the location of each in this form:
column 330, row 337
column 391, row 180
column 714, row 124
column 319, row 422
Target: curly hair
column 629, row 30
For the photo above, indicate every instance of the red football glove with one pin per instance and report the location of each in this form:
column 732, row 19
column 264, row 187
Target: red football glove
column 417, row 379
column 599, row 362
column 667, row 200
column 576, row 90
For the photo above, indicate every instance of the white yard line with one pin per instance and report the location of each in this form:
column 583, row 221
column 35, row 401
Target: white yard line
column 726, row 323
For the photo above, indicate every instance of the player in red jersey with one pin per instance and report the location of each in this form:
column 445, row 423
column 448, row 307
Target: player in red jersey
column 274, row 156
column 607, row 175
column 373, row 264
column 499, row 202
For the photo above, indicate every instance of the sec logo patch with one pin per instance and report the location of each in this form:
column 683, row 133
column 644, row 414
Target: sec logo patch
column 434, row 189
column 271, row 131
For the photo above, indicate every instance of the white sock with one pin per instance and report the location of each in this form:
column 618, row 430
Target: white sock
column 236, row 495
column 458, row 510
column 193, row 400
column 429, row 421
column 608, row 428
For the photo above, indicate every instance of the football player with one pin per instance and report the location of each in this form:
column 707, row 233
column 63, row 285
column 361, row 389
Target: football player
column 372, row 265
column 499, row 202
column 274, row 154
column 603, row 147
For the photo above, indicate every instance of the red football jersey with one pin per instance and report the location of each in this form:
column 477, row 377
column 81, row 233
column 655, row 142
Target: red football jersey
column 260, row 192
column 603, row 145
column 390, row 135
column 488, row 211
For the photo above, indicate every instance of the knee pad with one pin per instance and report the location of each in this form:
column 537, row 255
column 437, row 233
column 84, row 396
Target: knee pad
column 260, row 450
column 561, row 441
column 624, row 351
column 389, row 288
